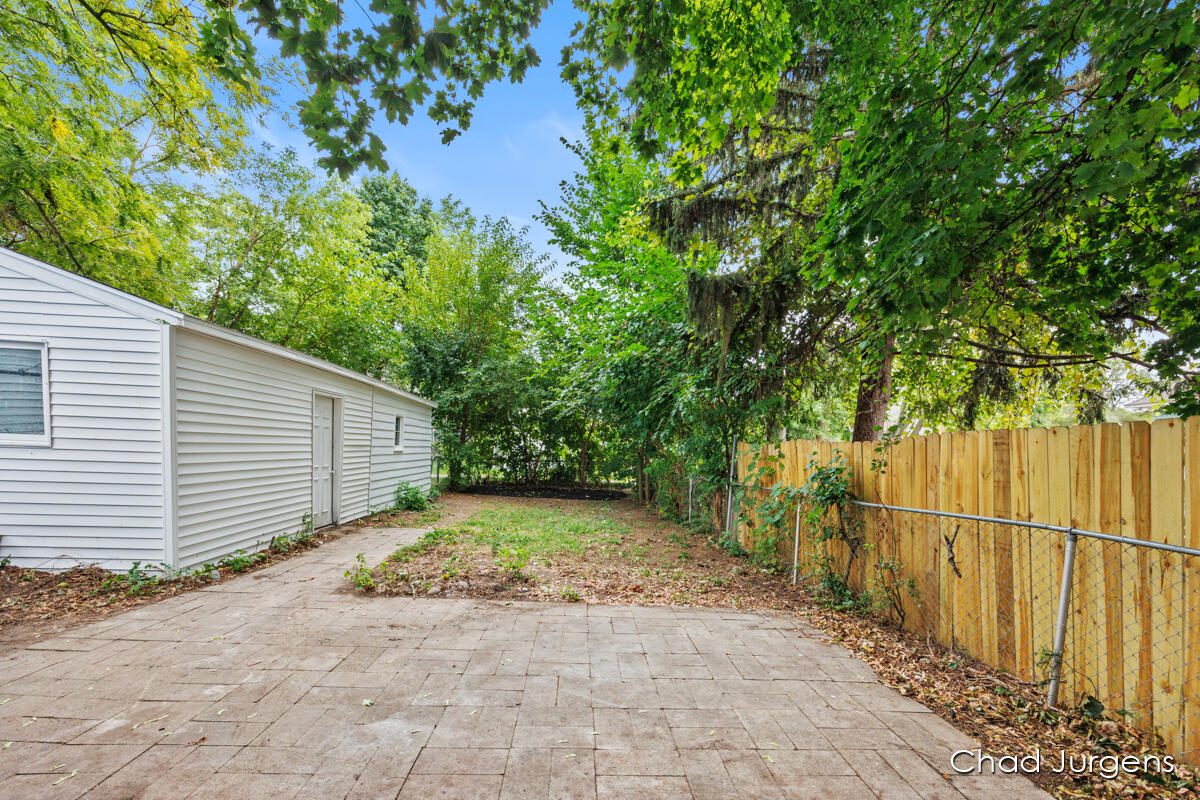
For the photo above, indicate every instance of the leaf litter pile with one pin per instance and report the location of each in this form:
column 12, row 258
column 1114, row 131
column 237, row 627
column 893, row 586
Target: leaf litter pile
column 618, row 552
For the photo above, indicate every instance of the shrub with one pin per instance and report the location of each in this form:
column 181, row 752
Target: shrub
column 410, row 498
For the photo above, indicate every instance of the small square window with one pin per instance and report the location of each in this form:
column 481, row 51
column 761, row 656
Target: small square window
column 398, row 434
column 24, row 394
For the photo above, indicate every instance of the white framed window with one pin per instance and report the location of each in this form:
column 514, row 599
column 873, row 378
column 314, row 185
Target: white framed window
column 24, row 394
column 398, row 434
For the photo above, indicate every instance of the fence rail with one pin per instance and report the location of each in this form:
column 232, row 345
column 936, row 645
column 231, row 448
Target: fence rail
column 979, row 525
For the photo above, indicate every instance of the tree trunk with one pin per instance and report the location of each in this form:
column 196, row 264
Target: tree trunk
column 643, row 492
column 874, row 391
column 583, row 454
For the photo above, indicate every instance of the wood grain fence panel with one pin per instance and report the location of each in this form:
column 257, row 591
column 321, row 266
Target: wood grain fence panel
column 1137, row 514
column 1166, row 525
column 1190, row 711
column 947, row 568
column 1107, row 608
column 930, row 589
column 1022, row 568
column 988, row 602
column 1059, row 476
column 992, row 589
column 1043, row 568
column 966, row 548
column 1002, row 543
column 904, row 525
column 1087, row 578
column 916, row 564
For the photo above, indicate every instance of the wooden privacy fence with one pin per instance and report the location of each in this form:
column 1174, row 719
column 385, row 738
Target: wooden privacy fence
column 992, row 589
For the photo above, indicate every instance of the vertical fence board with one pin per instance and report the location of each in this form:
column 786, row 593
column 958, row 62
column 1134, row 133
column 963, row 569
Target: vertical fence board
column 1166, row 525
column 1108, row 606
column 1059, row 476
column 1002, row 580
column 1190, row 712
column 948, row 630
column 1041, row 547
column 969, row 598
column 988, row 605
column 904, row 453
column 1082, row 633
column 931, row 543
column 865, row 481
column 1022, row 571
column 917, row 565
column 824, row 452
column 1140, row 503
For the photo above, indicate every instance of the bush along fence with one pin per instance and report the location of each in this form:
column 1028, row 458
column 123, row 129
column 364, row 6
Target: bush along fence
column 1067, row 555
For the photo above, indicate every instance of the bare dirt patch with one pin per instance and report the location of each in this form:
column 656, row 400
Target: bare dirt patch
column 630, row 556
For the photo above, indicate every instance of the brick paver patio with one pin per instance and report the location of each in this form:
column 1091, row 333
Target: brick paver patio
column 283, row 684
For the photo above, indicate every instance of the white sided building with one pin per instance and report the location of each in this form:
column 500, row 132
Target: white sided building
column 131, row 432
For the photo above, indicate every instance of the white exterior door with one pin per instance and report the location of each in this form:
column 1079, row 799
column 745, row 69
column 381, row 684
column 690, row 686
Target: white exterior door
column 323, row 461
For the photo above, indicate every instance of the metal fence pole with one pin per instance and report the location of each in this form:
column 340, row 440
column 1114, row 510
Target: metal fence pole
column 1060, row 625
column 796, row 547
column 729, row 497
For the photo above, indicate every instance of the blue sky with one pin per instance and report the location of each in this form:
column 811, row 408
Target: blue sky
column 510, row 157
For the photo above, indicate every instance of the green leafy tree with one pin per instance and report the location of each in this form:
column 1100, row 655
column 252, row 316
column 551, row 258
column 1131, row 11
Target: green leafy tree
column 637, row 366
column 466, row 320
column 278, row 253
column 390, row 55
column 991, row 164
column 100, row 105
column 400, row 223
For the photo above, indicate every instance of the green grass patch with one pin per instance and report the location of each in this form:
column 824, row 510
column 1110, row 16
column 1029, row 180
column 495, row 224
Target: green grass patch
column 541, row 532
column 512, row 539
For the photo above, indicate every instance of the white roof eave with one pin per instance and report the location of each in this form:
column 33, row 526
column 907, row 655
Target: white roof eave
column 153, row 312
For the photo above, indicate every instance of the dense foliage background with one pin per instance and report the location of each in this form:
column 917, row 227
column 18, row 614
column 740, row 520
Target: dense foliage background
column 791, row 218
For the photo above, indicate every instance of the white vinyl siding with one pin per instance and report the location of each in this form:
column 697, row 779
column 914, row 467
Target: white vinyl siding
column 243, row 434
column 96, row 494
column 219, row 461
column 389, row 465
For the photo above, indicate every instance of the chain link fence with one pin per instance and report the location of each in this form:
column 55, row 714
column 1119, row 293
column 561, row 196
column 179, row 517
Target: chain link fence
column 1122, row 631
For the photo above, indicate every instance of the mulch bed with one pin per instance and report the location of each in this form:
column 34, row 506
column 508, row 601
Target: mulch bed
column 661, row 563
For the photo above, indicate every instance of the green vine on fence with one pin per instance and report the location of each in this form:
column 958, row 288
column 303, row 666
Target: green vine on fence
column 823, row 502
column 767, row 519
column 826, row 495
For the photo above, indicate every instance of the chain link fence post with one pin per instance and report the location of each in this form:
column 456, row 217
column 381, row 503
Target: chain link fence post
column 1060, row 623
column 796, row 547
column 729, row 497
